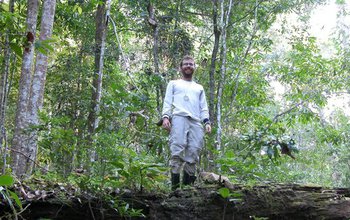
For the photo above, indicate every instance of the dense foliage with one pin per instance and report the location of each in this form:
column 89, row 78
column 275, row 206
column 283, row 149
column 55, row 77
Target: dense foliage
column 262, row 130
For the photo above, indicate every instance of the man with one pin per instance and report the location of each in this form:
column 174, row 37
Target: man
column 185, row 110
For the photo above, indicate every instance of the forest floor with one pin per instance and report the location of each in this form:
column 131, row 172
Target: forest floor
column 202, row 201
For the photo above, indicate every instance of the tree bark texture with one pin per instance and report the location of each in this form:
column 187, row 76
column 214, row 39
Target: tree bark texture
column 39, row 78
column 20, row 152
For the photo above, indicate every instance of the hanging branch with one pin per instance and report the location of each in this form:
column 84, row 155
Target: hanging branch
column 294, row 106
column 126, row 60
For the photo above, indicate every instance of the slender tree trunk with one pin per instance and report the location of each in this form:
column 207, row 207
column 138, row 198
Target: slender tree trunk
column 213, row 62
column 224, row 22
column 100, row 37
column 155, row 26
column 212, row 71
column 3, row 93
column 79, row 132
column 20, row 152
column 39, row 78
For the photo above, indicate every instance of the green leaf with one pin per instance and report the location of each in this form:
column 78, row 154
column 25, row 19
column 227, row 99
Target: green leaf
column 237, row 195
column 117, row 164
column 44, row 46
column 5, row 7
column 6, row 180
column 17, row 49
column 15, row 197
column 48, row 46
column 42, row 50
column 80, row 10
column 224, row 192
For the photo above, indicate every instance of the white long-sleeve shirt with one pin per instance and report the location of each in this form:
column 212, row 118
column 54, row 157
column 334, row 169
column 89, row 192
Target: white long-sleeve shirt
column 185, row 98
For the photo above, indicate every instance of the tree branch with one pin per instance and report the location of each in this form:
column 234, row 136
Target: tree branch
column 287, row 111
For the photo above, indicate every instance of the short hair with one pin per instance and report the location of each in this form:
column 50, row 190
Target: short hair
column 186, row 57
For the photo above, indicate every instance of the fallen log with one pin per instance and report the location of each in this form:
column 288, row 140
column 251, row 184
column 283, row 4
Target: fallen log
column 275, row 201
column 268, row 201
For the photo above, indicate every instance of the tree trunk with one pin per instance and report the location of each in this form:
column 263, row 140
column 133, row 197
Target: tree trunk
column 213, row 62
column 209, row 166
column 155, row 26
column 100, row 38
column 39, row 78
column 224, row 22
column 20, row 154
column 3, row 93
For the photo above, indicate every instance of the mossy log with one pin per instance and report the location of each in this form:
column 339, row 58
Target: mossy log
column 257, row 202
column 270, row 201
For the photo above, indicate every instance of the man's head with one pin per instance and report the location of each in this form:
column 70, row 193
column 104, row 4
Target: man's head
column 187, row 67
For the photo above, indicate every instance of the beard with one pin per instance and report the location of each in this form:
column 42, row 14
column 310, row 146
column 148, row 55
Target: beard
column 187, row 73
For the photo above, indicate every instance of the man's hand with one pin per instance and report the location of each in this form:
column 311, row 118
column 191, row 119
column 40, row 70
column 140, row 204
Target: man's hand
column 207, row 128
column 166, row 124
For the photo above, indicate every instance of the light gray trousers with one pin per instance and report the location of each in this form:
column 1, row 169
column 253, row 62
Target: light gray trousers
column 186, row 142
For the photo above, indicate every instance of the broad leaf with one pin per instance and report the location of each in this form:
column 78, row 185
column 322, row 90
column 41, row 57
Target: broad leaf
column 15, row 197
column 224, row 192
column 6, row 180
column 17, row 49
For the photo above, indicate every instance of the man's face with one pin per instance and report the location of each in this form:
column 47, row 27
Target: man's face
column 187, row 68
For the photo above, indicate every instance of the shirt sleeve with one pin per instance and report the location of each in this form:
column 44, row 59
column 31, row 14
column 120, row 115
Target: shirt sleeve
column 168, row 101
column 204, row 111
